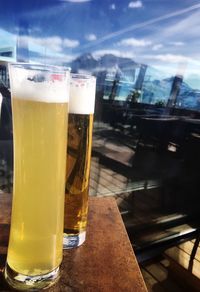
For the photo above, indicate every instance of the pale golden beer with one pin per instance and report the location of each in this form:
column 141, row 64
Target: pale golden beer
column 33, row 246
column 81, row 109
column 78, row 172
column 40, row 141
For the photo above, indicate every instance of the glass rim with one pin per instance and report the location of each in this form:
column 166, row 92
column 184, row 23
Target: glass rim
column 40, row 67
column 82, row 76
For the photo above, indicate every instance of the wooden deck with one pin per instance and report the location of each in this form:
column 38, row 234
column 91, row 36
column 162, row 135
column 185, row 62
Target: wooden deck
column 184, row 262
column 157, row 276
column 177, row 270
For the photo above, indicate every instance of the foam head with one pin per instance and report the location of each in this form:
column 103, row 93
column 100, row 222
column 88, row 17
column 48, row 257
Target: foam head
column 39, row 83
column 82, row 94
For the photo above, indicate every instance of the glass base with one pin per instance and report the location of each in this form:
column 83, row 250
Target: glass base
column 73, row 240
column 30, row 283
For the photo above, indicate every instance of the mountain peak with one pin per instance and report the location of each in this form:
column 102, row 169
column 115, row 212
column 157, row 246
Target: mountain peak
column 88, row 62
column 86, row 56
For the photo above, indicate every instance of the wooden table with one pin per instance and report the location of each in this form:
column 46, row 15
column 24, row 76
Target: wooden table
column 105, row 262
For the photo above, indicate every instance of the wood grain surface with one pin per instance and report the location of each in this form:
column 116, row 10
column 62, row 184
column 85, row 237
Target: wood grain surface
column 105, row 262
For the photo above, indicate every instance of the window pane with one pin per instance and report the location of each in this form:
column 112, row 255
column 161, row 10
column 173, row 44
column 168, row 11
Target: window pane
column 146, row 58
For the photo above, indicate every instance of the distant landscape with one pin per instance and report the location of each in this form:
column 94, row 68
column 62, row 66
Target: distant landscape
column 110, row 67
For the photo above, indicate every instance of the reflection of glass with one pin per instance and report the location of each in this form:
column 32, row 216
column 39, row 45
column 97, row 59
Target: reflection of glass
column 81, row 110
column 0, row 103
column 40, row 107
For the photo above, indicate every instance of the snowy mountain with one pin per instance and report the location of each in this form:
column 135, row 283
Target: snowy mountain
column 124, row 69
column 106, row 62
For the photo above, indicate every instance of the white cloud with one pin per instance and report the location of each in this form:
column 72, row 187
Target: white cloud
column 150, row 22
column 135, row 4
column 132, row 42
column 59, row 59
column 70, row 43
column 113, row 6
column 157, row 47
column 97, row 54
column 49, row 49
column 91, row 37
column 169, row 58
column 177, row 44
column 183, row 28
column 54, row 43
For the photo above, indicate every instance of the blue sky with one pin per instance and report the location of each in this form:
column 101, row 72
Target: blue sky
column 162, row 33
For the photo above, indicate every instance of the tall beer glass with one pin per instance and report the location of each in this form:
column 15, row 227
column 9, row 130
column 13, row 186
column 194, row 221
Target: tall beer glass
column 40, row 113
column 81, row 111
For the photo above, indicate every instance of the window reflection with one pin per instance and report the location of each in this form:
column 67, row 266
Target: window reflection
column 146, row 60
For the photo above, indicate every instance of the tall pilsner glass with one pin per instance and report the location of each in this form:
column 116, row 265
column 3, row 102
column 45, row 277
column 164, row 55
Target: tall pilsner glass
column 81, row 111
column 40, row 97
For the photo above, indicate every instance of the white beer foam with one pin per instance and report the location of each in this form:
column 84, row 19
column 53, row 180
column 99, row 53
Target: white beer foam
column 82, row 98
column 51, row 91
